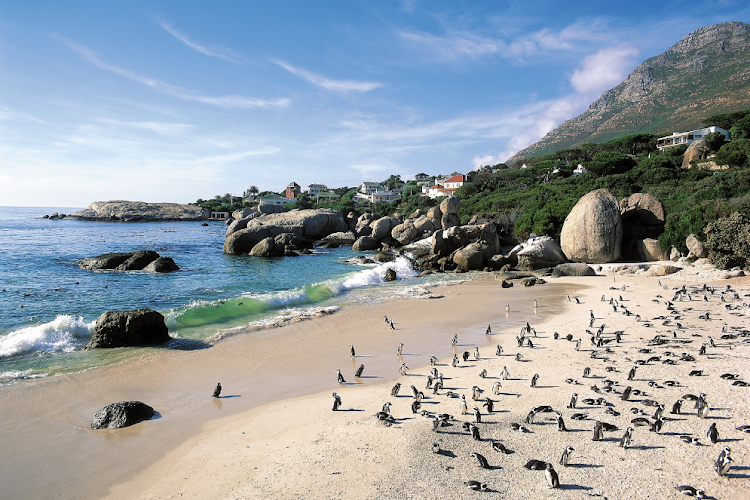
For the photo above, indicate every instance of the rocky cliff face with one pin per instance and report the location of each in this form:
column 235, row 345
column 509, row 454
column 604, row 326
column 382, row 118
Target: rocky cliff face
column 705, row 73
column 138, row 210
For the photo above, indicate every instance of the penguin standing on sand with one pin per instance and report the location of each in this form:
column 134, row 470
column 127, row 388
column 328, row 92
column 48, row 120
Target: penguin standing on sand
column 499, row 350
column 505, row 374
column 496, row 388
column 351, row 351
column 573, row 401
column 489, row 404
column 598, row 432
column 631, row 374
column 396, row 388
column 566, row 456
column 475, row 433
column 340, row 377
column 713, row 433
column 626, row 438
column 336, row 401
column 553, row 481
column 455, row 339
column 464, row 406
column 476, row 485
column 676, row 407
column 359, row 371
column 560, row 423
column 489, row 330
column 217, row 391
column 477, row 416
column 481, row 461
column 534, row 380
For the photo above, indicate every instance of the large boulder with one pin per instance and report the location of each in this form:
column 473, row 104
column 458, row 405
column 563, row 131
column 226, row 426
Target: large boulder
column 650, row 250
column 538, row 253
column 572, row 269
column 267, row 247
column 698, row 150
column 129, row 328
column 365, row 243
column 293, row 241
column 122, row 414
column 471, row 257
column 642, row 217
column 266, row 208
column 449, row 205
column 122, row 210
column 382, row 227
column 405, row 233
column 435, row 213
column 592, row 231
column 310, row 224
column 425, row 226
column 695, row 247
column 450, row 220
column 138, row 260
column 390, row 275
column 339, row 239
column 240, row 223
column 105, row 261
column 366, row 219
column 145, row 260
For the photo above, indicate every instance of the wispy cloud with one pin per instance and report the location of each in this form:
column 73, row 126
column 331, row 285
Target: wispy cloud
column 228, row 101
column 327, row 83
column 604, row 69
column 11, row 114
column 217, row 52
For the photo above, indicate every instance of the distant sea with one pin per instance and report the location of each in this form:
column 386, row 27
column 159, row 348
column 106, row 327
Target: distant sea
column 48, row 305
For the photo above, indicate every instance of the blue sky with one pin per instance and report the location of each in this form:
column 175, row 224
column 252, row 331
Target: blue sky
column 174, row 101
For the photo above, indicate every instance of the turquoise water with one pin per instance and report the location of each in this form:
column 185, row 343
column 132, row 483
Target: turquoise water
column 48, row 305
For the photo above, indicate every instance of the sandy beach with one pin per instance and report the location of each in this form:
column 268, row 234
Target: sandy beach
column 273, row 434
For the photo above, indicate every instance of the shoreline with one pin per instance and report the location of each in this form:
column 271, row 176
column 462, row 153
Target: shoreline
column 51, row 452
column 299, row 448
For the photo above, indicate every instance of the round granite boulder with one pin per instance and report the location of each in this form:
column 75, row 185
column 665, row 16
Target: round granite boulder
column 592, row 231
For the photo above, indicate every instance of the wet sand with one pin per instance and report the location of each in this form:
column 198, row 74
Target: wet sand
column 49, row 450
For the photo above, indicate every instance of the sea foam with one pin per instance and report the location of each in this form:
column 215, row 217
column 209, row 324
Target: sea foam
column 64, row 334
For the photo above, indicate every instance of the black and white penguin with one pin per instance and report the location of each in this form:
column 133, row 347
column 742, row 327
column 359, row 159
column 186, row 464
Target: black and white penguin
column 340, row 377
column 415, row 406
column 626, row 438
column 489, row 404
column 586, row 372
column 475, row 433
column 598, row 432
column 631, row 374
column 496, row 388
column 676, row 407
column 504, row 374
column 476, row 353
column 723, row 464
column 464, row 406
column 500, row 447
column 626, row 393
column 359, row 371
column 560, row 423
column 713, row 433
column 465, row 356
column 476, row 485
column 433, row 360
column 534, row 380
column 553, row 481
column 566, row 456
column 395, row 389
column 436, row 446
column 477, row 416
column 499, row 350
column 573, row 400
column 217, row 391
column 336, row 401
column 481, row 461
column 351, row 351
column 690, row 491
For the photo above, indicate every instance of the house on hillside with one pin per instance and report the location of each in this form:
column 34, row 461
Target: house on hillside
column 678, row 138
column 580, row 169
column 387, row 196
column 292, row 190
column 314, row 189
column 421, row 177
column 276, row 199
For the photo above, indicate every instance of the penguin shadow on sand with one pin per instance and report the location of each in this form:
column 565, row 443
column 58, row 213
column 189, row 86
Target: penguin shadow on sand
column 734, row 474
column 575, row 487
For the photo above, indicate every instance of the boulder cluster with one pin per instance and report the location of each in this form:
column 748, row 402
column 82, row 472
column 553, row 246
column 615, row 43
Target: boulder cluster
column 142, row 260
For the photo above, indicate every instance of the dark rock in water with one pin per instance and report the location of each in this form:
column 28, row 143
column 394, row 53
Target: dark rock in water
column 573, row 269
column 122, row 414
column 138, row 260
column 105, row 261
column 390, row 275
column 383, row 257
column 129, row 328
column 162, row 265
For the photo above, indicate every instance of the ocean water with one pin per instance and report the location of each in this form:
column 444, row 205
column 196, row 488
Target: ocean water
column 48, row 305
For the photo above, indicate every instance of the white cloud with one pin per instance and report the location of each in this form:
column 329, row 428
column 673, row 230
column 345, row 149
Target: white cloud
column 219, row 53
column 229, row 101
column 604, row 69
column 327, row 83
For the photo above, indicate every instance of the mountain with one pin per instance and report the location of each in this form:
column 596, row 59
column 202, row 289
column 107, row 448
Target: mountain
column 705, row 73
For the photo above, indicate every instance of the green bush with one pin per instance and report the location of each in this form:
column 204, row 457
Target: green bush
column 728, row 242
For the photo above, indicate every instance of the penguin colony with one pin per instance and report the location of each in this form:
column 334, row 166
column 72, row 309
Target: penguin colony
column 615, row 407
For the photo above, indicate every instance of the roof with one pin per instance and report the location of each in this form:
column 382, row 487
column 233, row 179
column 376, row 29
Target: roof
column 318, row 186
column 436, row 186
column 457, row 178
column 366, row 183
column 292, row 184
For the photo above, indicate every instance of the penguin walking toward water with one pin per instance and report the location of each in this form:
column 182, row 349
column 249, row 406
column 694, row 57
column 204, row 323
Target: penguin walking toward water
column 454, row 363
column 566, row 456
column 400, row 349
column 489, row 330
column 217, row 391
column 455, row 339
column 553, row 481
column 340, row 377
column 336, row 401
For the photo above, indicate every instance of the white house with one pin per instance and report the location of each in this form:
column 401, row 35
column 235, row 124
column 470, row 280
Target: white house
column 678, row 138
column 580, row 169
column 369, row 187
column 276, row 199
column 384, row 196
column 455, row 182
column 314, row 189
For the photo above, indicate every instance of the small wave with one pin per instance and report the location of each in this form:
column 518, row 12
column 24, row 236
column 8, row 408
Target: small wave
column 13, row 376
column 64, row 334
column 283, row 318
column 376, row 275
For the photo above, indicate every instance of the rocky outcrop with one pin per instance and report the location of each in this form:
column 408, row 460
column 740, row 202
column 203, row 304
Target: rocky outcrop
column 390, row 275
column 339, row 239
column 405, row 233
column 123, row 414
column 309, row 224
column 695, row 248
column 643, row 217
column 365, row 243
column 146, row 260
column 537, row 253
column 698, row 150
column 129, row 328
column 134, row 211
column 382, row 227
column 572, row 269
column 592, row 232
column 650, row 250
column 267, row 247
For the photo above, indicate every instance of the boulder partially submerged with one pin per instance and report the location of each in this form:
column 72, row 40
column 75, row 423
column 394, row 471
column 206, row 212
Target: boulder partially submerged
column 134, row 211
column 137, row 327
column 122, row 414
column 145, row 260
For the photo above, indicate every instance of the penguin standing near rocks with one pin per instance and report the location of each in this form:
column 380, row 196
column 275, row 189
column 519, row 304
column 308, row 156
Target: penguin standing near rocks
column 553, row 481
column 566, row 456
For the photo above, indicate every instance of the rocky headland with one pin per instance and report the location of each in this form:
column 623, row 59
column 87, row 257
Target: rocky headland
column 136, row 211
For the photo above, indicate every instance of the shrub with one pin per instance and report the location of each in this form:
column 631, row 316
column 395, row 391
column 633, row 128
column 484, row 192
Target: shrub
column 728, row 242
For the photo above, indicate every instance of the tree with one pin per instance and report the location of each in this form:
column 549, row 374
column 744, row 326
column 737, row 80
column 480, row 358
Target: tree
column 734, row 154
column 304, row 201
column 715, row 140
column 393, row 182
column 253, row 191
